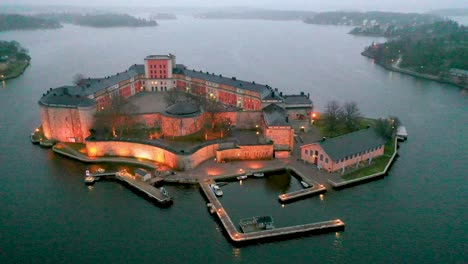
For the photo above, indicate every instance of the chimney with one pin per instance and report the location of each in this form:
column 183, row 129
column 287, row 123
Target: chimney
column 302, row 93
column 308, row 95
column 281, row 93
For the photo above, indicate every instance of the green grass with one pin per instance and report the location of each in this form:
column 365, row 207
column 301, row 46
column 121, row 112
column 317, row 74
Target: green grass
column 341, row 129
column 378, row 164
column 14, row 70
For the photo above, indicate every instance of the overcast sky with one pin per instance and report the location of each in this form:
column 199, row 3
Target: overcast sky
column 314, row 5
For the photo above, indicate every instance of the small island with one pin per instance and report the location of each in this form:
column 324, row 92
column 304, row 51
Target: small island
column 435, row 51
column 99, row 20
column 13, row 59
column 21, row 22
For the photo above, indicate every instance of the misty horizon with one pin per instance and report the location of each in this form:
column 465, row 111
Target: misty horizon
column 294, row 5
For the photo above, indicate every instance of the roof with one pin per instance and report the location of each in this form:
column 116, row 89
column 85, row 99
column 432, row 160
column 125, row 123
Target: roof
column 352, row 143
column 66, row 96
column 158, row 57
column 296, row 99
column 76, row 95
column 262, row 89
column 182, row 109
column 141, row 172
column 275, row 115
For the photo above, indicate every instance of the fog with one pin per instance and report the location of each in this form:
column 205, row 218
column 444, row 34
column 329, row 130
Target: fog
column 313, row 5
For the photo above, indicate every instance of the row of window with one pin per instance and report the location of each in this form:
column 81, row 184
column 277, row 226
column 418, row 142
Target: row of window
column 155, row 89
column 156, row 66
column 311, row 153
column 160, row 71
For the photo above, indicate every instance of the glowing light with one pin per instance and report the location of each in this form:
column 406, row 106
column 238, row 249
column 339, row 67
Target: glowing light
column 321, row 197
column 314, row 115
column 337, row 235
column 92, row 151
column 282, row 205
column 37, row 129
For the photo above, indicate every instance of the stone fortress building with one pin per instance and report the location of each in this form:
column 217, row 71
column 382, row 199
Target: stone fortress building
column 67, row 112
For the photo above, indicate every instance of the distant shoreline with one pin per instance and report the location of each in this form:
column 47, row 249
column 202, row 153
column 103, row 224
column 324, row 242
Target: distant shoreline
column 413, row 73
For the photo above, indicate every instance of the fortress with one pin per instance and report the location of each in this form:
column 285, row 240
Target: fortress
column 68, row 113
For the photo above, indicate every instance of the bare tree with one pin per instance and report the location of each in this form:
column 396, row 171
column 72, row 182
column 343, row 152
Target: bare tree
column 387, row 127
column 116, row 116
column 78, row 78
column 333, row 113
column 174, row 96
column 351, row 115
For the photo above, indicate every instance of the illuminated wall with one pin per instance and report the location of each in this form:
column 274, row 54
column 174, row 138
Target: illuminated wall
column 253, row 152
column 281, row 136
column 178, row 161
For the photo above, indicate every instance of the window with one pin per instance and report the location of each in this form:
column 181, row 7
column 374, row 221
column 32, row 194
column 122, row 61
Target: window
column 326, row 160
column 307, row 152
column 316, row 153
column 321, row 157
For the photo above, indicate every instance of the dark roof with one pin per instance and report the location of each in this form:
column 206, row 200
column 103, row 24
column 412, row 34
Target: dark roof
column 262, row 89
column 73, row 96
column 352, row 143
column 296, row 99
column 182, row 109
column 275, row 115
column 141, row 172
column 66, row 96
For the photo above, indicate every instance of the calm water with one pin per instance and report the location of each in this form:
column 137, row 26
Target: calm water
column 416, row 214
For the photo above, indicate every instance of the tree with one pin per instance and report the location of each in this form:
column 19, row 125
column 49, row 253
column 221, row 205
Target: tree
column 174, row 96
column 333, row 113
column 351, row 116
column 387, row 127
column 78, row 78
column 116, row 117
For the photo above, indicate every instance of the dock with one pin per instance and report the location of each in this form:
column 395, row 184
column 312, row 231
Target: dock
column 238, row 237
column 146, row 188
column 288, row 197
column 402, row 134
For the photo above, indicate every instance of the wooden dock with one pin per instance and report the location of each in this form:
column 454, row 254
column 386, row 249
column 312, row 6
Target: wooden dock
column 146, row 188
column 237, row 236
column 288, row 197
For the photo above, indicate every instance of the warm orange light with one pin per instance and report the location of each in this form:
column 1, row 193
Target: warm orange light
column 92, row 151
column 314, row 115
column 37, row 129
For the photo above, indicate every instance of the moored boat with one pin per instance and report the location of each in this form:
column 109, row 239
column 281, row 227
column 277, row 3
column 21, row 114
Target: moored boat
column 242, row 177
column 89, row 179
column 216, row 190
column 164, row 191
column 259, row 174
column 305, row 184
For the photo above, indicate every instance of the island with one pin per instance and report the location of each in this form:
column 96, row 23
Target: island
column 22, row 22
column 252, row 13
column 99, row 20
column 14, row 59
column 436, row 51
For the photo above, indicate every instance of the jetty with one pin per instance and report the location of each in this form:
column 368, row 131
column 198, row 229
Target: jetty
column 238, row 237
column 315, row 189
column 152, row 192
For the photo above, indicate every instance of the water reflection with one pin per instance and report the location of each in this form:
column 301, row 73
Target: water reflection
column 278, row 182
column 338, row 248
column 236, row 252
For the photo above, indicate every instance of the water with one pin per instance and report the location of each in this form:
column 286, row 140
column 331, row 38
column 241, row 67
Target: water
column 416, row 214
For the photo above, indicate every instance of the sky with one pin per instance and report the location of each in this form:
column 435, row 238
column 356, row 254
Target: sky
column 313, row 5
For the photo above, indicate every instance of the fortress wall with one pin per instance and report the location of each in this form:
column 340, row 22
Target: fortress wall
column 254, row 152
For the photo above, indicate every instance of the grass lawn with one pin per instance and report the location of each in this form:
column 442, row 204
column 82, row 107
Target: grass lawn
column 15, row 69
column 378, row 164
column 341, row 129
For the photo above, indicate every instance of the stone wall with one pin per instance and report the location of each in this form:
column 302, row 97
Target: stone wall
column 182, row 161
column 281, row 136
column 253, row 152
column 67, row 124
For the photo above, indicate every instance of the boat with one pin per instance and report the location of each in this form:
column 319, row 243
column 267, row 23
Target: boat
column 164, row 191
column 100, row 170
column 257, row 223
column 88, row 173
column 305, row 184
column 242, row 177
column 258, row 174
column 216, row 190
column 89, row 179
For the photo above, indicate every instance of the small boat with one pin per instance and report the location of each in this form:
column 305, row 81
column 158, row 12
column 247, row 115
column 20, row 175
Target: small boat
column 257, row 223
column 88, row 173
column 164, row 191
column 216, row 190
column 305, row 184
column 89, row 179
column 242, row 177
column 259, row 174
column 100, row 170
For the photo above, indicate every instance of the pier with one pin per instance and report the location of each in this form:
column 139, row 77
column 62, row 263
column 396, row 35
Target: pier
column 288, row 197
column 236, row 236
column 148, row 189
